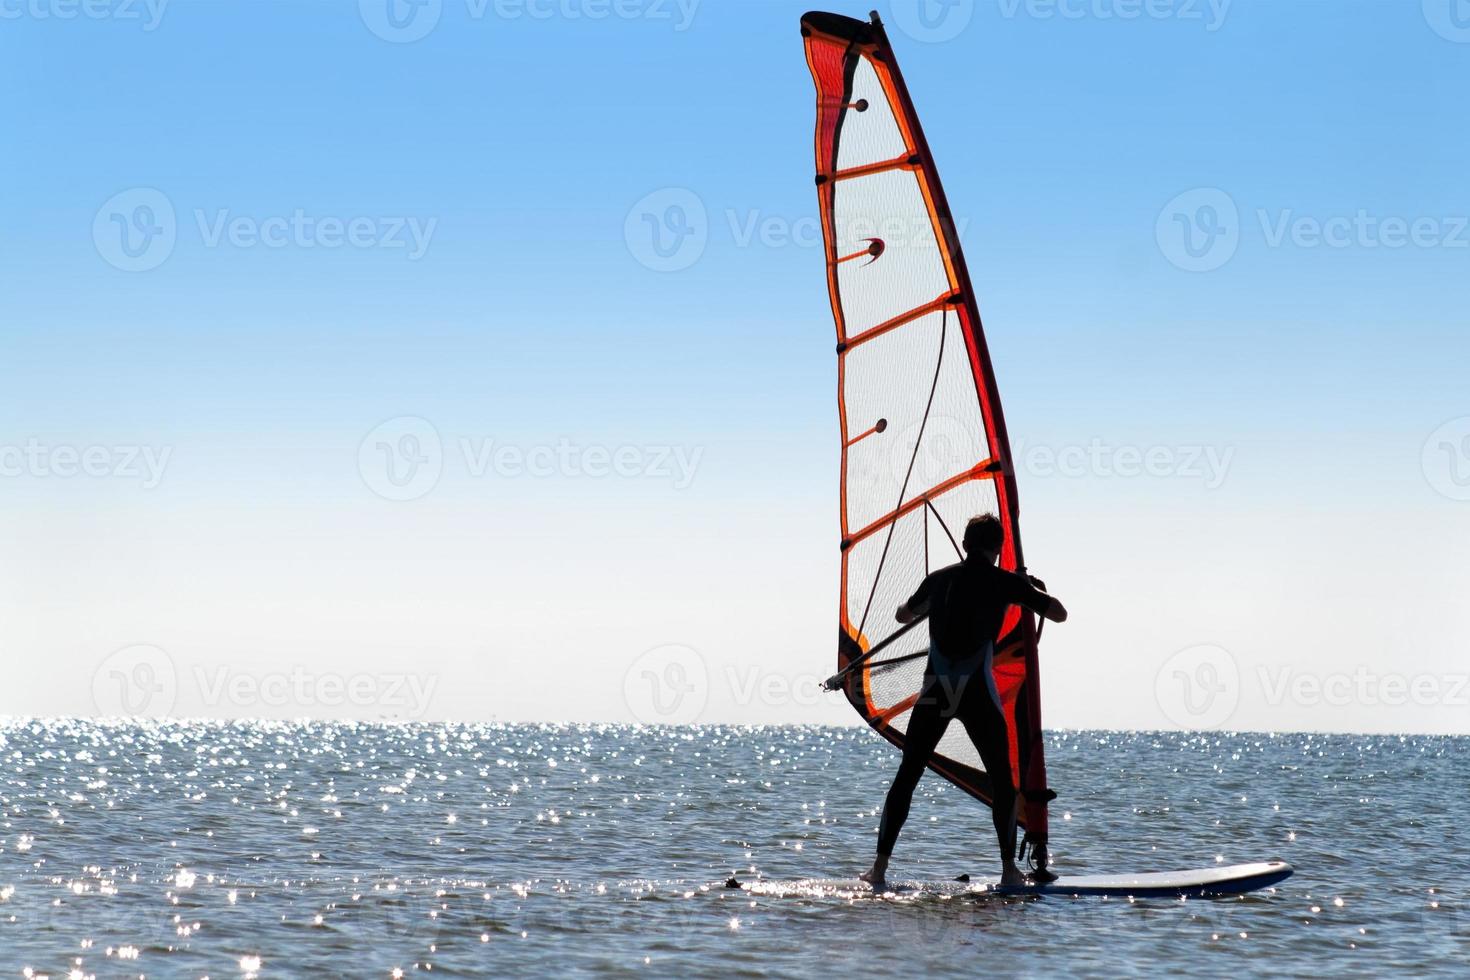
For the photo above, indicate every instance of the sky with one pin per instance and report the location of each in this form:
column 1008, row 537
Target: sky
column 472, row 359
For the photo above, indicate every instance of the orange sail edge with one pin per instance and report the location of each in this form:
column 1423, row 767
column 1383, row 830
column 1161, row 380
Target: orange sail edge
column 845, row 54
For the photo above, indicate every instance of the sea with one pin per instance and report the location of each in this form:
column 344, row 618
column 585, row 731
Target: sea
column 265, row 849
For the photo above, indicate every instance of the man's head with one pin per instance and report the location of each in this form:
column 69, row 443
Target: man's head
column 984, row 537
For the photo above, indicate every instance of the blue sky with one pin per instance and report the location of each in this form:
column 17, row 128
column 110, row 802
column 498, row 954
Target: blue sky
column 530, row 144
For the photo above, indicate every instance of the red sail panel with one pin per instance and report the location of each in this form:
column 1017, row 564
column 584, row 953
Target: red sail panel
column 924, row 444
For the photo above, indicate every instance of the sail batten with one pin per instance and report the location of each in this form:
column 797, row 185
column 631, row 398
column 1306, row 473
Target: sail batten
column 911, row 353
column 984, row 470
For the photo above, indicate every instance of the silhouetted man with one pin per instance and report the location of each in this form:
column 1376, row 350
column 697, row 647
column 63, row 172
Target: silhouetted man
column 966, row 604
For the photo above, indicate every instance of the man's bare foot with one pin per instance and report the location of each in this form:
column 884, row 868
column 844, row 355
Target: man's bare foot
column 1011, row 877
column 877, row 874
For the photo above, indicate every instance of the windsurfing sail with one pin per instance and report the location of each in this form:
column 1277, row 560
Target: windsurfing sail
column 924, row 444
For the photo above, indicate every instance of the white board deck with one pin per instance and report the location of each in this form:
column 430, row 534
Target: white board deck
column 1236, row 879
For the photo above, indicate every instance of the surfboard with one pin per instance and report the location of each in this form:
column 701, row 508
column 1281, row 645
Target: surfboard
column 1217, row 882
column 1236, row 879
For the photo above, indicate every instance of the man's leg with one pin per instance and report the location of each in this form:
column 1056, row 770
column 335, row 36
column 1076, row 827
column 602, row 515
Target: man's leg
column 927, row 722
column 986, row 725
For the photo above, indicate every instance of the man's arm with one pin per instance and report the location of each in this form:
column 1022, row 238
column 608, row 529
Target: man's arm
column 917, row 606
column 1035, row 598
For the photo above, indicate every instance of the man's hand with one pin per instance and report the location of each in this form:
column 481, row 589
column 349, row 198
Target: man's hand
column 905, row 615
column 1055, row 611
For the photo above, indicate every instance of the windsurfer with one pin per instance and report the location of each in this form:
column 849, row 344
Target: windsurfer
column 966, row 604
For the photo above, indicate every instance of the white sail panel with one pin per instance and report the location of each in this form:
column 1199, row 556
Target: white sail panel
column 909, row 273
column 870, row 132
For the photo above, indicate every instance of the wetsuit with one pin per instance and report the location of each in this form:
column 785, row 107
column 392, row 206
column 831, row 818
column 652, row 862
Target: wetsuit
column 967, row 604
